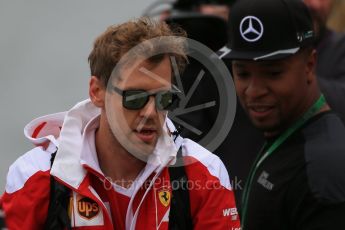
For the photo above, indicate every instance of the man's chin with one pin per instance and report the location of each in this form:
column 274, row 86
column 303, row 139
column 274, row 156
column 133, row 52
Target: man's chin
column 147, row 148
column 143, row 148
column 265, row 126
column 140, row 151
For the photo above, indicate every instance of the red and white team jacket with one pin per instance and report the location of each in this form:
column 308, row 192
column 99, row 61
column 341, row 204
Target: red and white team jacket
column 98, row 203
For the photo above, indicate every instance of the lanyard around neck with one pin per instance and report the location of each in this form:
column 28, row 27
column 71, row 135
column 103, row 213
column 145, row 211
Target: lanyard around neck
column 282, row 138
column 315, row 108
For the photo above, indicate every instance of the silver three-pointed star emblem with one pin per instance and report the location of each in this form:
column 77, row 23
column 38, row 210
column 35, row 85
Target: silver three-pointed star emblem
column 251, row 28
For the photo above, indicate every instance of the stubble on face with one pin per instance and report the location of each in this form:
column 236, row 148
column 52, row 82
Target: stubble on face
column 139, row 130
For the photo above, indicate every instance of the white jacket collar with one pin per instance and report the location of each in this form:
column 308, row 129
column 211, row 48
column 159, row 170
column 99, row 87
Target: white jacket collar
column 67, row 166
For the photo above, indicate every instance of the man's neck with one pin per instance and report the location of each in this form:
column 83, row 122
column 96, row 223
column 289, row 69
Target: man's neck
column 275, row 133
column 114, row 161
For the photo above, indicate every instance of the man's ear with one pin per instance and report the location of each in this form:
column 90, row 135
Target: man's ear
column 97, row 92
column 310, row 66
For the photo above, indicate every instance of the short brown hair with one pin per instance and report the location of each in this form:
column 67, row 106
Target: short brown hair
column 117, row 40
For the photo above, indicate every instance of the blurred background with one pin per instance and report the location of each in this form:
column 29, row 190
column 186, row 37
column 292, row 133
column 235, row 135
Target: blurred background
column 44, row 45
column 337, row 18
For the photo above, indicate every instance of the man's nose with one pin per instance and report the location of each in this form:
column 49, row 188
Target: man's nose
column 256, row 88
column 149, row 109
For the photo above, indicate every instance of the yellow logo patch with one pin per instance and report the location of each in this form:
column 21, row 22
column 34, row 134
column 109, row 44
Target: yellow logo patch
column 164, row 197
column 87, row 208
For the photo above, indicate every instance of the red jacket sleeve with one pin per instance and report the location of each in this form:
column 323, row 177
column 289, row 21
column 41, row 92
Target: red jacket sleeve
column 212, row 200
column 27, row 207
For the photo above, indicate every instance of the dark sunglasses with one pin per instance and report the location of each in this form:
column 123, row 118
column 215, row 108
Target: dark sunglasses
column 137, row 98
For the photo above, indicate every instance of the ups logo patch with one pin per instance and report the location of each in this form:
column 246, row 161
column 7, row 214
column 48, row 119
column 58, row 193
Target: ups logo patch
column 87, row 208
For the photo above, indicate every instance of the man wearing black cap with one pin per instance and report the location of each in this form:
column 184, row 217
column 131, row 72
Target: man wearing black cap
column 298, row 179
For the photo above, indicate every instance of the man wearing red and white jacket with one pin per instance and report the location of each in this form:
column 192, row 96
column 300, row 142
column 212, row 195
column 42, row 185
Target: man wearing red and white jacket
column 115, row 158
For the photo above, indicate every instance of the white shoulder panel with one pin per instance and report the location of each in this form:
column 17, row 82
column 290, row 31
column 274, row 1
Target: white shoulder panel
column 25, row 166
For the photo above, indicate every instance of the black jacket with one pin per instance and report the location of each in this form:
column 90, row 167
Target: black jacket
column 301, row 185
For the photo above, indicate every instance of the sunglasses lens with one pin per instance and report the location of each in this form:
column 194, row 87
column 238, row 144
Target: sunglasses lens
column 134, row 99
column 165, row 100
column 137, row 99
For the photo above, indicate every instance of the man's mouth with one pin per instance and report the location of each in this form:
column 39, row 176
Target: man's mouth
column 146, row 134
column 260, row 111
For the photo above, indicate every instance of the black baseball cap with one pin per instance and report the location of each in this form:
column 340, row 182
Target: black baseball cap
column 268, row 29
column 189, row 4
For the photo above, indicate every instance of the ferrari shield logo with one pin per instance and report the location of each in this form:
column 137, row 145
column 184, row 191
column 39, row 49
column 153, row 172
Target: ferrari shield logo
column 164, row 197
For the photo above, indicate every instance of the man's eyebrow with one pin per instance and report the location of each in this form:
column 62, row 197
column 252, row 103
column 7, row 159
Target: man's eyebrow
column 271, row 63
column 155, row 76
column 239, row 64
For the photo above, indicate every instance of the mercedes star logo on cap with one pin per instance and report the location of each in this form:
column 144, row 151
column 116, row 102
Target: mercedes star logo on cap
column 251, row 28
